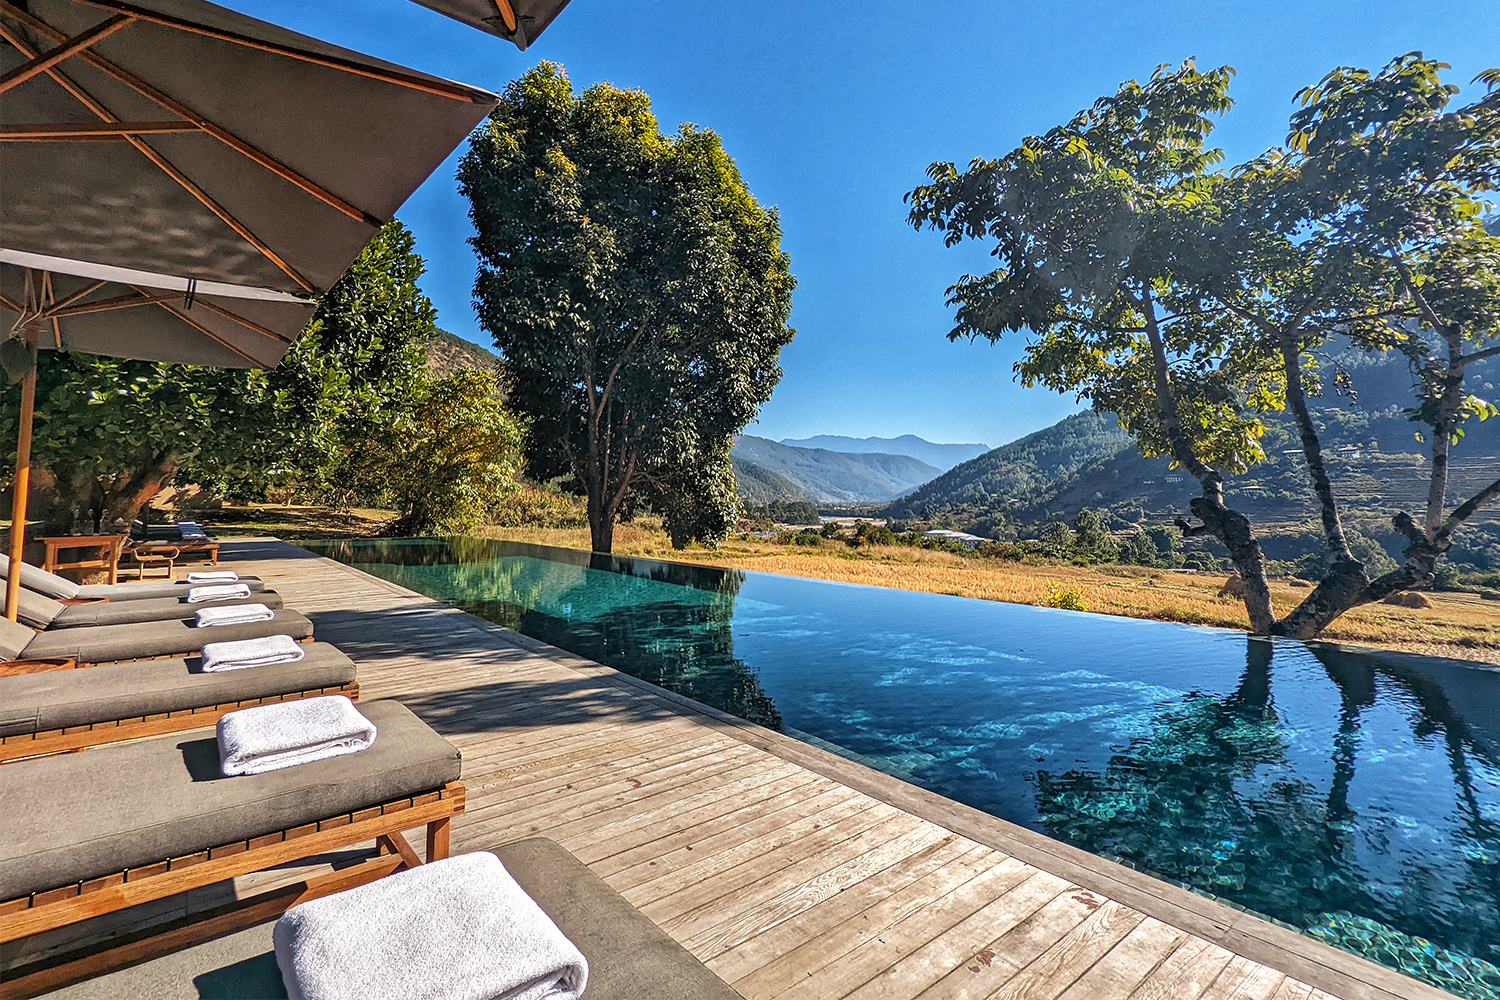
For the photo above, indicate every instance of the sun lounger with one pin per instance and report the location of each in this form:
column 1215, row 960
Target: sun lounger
column 629, row 957
column 44, row 613
column 139, row 640
column 59, row 709
column 98, row 831
column 62, row 589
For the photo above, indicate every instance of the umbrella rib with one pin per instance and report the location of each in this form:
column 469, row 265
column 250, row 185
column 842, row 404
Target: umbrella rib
column 206, row 332
column 68, row 47
column 507, row 14
column 138, row 298
column 223, row 135
column 150, row 154
column 242, row 321
column 9, row 303
column 430, row 85
column 89, row 130
column 86, row 290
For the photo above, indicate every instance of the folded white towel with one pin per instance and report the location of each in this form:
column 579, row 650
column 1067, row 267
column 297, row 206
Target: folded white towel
column 270, row 737
column 451, row 929
column 219, row 592
column 241, row 653
column 213, row 576
column 233, row 614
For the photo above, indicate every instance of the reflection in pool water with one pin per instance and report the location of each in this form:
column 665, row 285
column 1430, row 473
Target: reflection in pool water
column 1352, row 795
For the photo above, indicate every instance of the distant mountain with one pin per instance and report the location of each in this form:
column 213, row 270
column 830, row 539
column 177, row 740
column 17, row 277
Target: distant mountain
column 836, row 477
column 448, row 353
column 943, row 456
column 1087, row 461
column 756, row 484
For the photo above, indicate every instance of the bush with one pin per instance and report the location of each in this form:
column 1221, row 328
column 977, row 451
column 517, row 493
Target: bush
column 1067, row 598
column 526, row 507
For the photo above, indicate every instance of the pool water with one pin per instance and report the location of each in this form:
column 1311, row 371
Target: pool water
column 1352, row 795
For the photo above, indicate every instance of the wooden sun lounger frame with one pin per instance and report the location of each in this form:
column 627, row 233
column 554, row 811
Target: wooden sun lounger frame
column 54, row 908
column 51, row 741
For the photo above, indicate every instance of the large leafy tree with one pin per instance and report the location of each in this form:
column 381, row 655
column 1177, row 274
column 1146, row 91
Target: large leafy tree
column 1187, row 300
column 636, row 290
column 110, row 434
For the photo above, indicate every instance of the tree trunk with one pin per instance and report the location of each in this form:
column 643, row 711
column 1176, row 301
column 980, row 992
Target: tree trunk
column 1228, row 526
column 601, row 525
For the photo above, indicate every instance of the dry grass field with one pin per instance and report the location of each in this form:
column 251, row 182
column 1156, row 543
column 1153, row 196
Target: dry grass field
column 1457, row 625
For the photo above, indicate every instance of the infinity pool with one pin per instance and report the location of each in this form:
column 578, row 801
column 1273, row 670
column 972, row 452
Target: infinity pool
column 1354, row 796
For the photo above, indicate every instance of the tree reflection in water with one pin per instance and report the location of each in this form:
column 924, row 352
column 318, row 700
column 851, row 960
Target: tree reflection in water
column 1212, row 798
column 601, row 607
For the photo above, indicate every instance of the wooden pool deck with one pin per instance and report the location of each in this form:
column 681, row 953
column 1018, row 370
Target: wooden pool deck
column 793, row 873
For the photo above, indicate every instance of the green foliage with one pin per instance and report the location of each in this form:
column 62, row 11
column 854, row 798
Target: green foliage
column 1068, row 598
column 111, row 433
column 1057, row 541
column 1093, row 540
column 635, row 288
column 870, row 533
column 699, row 502
column 530, row 507
column 784, row 511
column 450, row 458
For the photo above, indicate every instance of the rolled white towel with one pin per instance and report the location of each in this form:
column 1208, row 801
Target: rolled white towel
column 456, row 928
column 219, row 592
column 233, row 614
column 241, row 653
column 270, row 737
column 213, row 576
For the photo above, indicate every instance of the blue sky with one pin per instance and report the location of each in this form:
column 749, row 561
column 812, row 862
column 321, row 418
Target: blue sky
column 833, row 110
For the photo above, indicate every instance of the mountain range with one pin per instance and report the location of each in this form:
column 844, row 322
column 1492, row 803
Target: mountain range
column 941, row 456
column 1086, row 460
column 769, row 470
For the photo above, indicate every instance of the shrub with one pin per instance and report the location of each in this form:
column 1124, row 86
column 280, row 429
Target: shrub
column 1068, row 598
column 526, row 507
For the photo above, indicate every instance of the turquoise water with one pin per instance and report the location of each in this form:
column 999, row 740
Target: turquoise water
column 1354, row 796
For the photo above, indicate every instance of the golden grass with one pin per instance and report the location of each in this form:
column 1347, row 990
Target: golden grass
column 1458, row 625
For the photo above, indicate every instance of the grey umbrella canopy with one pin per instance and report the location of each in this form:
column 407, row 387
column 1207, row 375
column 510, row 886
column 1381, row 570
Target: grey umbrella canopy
column 180, row 182
column 519, row 21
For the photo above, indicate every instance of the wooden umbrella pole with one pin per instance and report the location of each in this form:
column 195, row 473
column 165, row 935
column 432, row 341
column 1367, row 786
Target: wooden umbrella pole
column 18, row 501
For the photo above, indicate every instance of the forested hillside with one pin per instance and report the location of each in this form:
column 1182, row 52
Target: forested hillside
column 758, row 485
column 1088, row 461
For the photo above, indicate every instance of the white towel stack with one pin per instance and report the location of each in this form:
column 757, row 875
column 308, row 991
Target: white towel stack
column 270, row 737
column 213, row 576
column 462, row 922
column 219, row 592
column 233, row 614
column 242, row 653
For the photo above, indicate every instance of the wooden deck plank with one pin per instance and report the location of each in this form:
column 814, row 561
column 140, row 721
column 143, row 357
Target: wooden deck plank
column 791, row 872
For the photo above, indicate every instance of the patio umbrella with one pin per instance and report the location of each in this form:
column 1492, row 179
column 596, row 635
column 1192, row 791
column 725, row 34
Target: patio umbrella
column 519, row 21
column 232, row 171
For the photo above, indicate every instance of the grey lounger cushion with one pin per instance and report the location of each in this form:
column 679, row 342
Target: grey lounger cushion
column 146, row 590
column 108, row 643
column 31, row 703
column 83, row 815
column 630, row 958
column 62, row 589
column 160, row 609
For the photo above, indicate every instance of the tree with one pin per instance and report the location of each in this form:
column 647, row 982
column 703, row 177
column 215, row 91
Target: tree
column 1188, row 300
column 449, row 459
column 636, row 290
column 111, row 433
column 1087, row 221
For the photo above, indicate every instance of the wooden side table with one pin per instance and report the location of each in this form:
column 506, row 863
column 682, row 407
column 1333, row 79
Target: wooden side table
column 105, row 553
